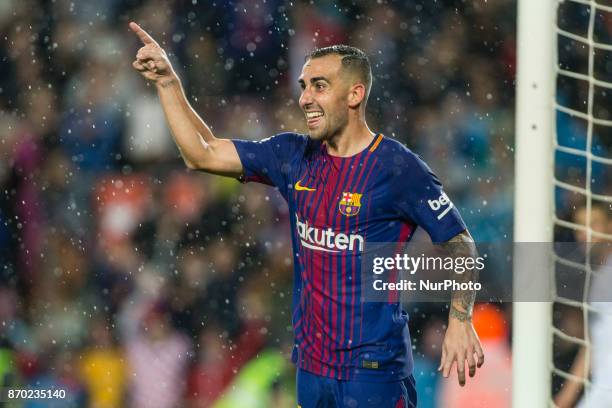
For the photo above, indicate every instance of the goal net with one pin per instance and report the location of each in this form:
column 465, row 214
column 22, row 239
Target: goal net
column 582, row 135
column 563, row 194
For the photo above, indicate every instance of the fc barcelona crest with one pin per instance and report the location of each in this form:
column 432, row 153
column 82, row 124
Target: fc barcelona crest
column 350, row 204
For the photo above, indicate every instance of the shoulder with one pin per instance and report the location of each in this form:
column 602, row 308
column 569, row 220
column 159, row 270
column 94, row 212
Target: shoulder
column 399, row 160
column 288, row 144
column 287, row 139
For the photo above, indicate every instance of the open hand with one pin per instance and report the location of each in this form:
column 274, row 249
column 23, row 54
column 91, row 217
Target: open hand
column 461, row 343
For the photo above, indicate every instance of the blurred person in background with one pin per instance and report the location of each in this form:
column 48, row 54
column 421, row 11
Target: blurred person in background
column 597, row 369
column 157, row 356
column 56, row 311
column 57, row 368
column 211, row 372
column 263, row 382
column 103, row 367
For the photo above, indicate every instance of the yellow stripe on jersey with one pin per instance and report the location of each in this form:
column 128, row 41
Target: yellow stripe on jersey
column 376, row 143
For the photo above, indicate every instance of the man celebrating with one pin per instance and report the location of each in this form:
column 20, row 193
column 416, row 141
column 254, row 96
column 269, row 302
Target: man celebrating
column 345, row 186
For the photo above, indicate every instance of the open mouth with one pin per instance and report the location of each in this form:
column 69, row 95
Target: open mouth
column 313, row 118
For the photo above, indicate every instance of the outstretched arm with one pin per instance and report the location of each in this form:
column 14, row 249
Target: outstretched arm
column 198, row 146
column 461, row 342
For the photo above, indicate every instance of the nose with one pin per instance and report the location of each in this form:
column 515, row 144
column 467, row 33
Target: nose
column 305, row 98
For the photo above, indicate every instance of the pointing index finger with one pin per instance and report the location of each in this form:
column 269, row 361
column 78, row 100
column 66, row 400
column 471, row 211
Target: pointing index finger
column 142, row 34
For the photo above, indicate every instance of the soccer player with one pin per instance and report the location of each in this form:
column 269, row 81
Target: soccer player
column 344, row 185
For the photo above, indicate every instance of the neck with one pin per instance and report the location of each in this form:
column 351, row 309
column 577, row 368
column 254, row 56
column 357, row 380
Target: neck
column 351, row 140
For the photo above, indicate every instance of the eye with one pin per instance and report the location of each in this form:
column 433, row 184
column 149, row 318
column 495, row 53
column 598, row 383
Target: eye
column 319, row 85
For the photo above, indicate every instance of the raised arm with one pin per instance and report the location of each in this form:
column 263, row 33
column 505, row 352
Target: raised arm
column 461, row 342
column 198, row 146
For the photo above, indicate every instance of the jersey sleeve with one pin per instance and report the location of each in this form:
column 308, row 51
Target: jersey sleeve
column 269, row 160
column 420, row 198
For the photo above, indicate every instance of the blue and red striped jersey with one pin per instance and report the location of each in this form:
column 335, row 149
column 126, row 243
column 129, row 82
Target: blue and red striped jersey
column 337, row 206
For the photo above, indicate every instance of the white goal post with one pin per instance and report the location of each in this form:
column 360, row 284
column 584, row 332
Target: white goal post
column 533, row 201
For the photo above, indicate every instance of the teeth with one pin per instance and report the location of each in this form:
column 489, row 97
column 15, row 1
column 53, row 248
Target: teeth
column 311, row 115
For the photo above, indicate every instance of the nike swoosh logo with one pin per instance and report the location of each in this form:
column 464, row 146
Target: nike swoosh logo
column 300, row 187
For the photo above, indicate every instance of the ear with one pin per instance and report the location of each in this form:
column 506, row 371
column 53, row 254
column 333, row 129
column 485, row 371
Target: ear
column 356, row 95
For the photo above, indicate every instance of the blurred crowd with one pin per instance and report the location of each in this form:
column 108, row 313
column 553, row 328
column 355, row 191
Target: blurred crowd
column 129, row 280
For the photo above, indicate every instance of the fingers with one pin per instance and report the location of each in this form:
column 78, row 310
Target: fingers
column 471, row 363
column 459, row 346
column 152, row 76
column 146, row 53
column 138, row 66
column 461, row 370
column 459, row 358
column 479, row 353
column 442, row 359
column 151, row 57
column 447, row 365
column 145, row 66
column 146, row 70
column 142, row 34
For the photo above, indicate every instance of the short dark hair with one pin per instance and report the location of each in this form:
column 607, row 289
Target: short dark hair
column 353, row 59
